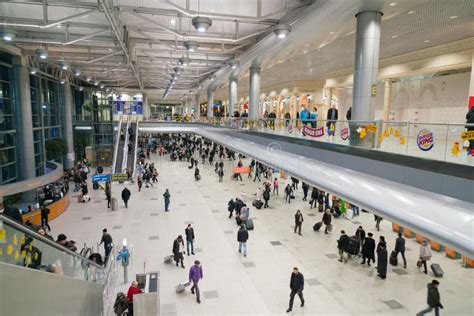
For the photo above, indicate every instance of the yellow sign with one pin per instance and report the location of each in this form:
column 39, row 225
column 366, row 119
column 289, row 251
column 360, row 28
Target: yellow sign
column 9, row 249
column 380, row 138
column 15, row 240
column 3, row 234
column 373, row 91
column 17, row 255
column 371, row 128
column 469, row 135
column 362, row 132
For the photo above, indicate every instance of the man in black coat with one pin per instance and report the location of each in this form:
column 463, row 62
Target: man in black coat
column 108, row 243
column 189, row 231
column 400, row 247
column 44, row 217
column 342, row 245
column 433, row 300
column 242, row 237
column 296, row 286
column 360, row 234
column 382, row 261
column 178, row 250
column 368, row 249
column 126, row 196
column 332, row 117
column 231, row 207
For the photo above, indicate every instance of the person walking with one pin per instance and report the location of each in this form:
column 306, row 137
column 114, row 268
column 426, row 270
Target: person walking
column 220, row 172
column 382, row 261
column 195, row 274
column 126, row 196
column 433, row 299
column 288, row 193
column 275, row 186
column 368, row 249
column 231, row 207
column 298, row 221
column 296, row 287
column 44, row 217
column 139, row 183
column 327, row 218
column 360, row 234
column 425, row 255
column 377, row 220
column 132, row 290
column 178, row 251
column 189, row 232
column 305, row 187
column 166, row 197
column 342, row 244
column 108, row 196
column 266, row 197
column 242, row 237
column 108, row 243
column 400, row 248
column 314, row 197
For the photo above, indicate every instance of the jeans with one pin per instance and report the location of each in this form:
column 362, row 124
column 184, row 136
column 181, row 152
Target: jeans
column 292, row 297
column 298, row 227
column 275, row 189
column 429, row 309
column 167, row 204
column 243, row 247
column 403, row 256
column 77, row 186
column 107, row 250
column 341, row 255
column 189, row 242
column 195, row 288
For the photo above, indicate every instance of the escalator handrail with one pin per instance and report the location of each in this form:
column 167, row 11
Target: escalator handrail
column 125, row 148
column 45, row 240
column 117, row 141
column 135, row 153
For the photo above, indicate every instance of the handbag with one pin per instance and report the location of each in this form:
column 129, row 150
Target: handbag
column 418, row 263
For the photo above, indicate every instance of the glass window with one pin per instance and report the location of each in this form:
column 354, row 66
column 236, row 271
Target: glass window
column 7, row 140
column 8, row 172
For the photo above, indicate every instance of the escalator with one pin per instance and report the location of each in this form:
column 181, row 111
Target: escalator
column 132, row 153
column 41, row 277
column 121, row 134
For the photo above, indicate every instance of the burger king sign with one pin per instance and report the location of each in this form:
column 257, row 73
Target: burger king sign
column 425, row 139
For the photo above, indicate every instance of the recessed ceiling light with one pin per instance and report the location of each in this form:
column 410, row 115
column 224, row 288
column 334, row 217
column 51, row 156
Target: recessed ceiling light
column 411, row 12
column 427, row 41
column 173, row 21
column 332, row 33
column 393, row 4
column 394, row 36
column 453, row 17
column 59, row 26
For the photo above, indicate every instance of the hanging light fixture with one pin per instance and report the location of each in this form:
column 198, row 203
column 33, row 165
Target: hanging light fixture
column 184, row 61
column 76, row 72
column 175, row 76
column 190, row 46
column 62, row 81
column 178, row 70
column 88, row 79
column 212, row 77
column 96, row 83
column 32, row 70
column 102, row 86
column 281, row 30
column 8, row 35
column 201, row 24
column 64, row 65
column 42, row 53
column 233, row 63
column 80, row 88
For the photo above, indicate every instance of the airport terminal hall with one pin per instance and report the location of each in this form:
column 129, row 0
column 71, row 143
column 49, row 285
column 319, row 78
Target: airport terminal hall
column 236, row 157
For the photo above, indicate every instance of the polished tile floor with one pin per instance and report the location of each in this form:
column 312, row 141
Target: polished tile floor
column 259, row 283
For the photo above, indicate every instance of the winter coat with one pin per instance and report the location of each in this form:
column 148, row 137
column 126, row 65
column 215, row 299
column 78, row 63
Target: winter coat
column 382, row 262
column 368, row 248
column 327, row 218
column 343, row 242
column 360, row 234
column 297, row 282
column 189, row 233
column 176, row 248
column 298, row 218
column 425, row 252
column 126, row 194
column 242, row 235
column 231, row 206
column 434, row 299
column 400, row 244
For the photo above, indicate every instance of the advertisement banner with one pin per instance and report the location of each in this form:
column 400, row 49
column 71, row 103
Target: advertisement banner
column 425, row 139
column 469, row 135
column 313, row 132
column 119, row 177
column 245, row 169
column 371, row 128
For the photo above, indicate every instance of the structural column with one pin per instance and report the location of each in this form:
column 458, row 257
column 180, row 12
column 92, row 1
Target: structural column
column 70, row 156
column 210, row 103
column 254, row 92
column 146, row 107
column 27, row 164
column 387, row 100
column 197, row 112
column 366, row 65
column 232, row 95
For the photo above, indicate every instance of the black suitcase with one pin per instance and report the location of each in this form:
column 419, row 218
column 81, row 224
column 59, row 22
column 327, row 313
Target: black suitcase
column 317, row 226
column 257, row 203
column 437, row 271
column 249, row 224
column 393, row 258
column 353, row 246
column 238, row 220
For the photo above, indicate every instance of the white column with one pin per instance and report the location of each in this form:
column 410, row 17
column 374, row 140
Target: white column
column 27, row 164
column 254, row 92
column 69, row 162
column 146, row 106
column 366, row 65
column 387, row 100
column 210, row 103
column 197, row 111
column 232, row 95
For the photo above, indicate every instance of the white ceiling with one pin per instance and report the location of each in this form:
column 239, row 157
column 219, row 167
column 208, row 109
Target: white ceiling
column 153, row 32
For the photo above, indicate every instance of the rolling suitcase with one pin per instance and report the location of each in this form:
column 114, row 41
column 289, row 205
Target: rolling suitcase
column 181, row 287
column 353, row 246
column 317, row 226
column 393, row 258
column 249, row 224
column 437, row 271
column 168, row 259
column 257, row 203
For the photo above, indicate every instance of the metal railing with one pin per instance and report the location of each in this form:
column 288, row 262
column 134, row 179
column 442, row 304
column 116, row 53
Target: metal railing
column 125, row 147
column 117, row 141
column 135, row 152
column 436, row 141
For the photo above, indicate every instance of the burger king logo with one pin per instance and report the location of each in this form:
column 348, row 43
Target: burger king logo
column 425, row 139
